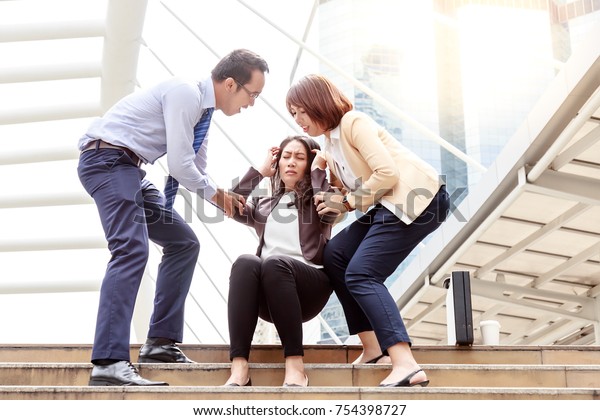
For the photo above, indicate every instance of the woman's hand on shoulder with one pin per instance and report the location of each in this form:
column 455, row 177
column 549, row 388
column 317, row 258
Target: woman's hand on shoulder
column 269, row 166
column 319, row 162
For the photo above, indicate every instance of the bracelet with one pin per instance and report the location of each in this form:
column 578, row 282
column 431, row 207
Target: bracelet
column 346, row 203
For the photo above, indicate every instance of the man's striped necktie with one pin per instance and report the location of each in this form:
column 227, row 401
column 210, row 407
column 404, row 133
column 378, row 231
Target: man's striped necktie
column 200, row 131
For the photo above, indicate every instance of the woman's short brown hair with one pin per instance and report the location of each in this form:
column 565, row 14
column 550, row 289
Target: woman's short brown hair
column 322, row 101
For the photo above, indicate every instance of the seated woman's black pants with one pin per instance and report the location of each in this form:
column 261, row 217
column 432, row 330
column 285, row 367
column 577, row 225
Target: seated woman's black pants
column 279, row 289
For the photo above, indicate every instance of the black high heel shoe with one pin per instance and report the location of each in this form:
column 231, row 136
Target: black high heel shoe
column 406, row 381
column 375, row 359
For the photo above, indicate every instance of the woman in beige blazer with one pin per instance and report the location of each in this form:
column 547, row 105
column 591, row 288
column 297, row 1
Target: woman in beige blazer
column 404, row 200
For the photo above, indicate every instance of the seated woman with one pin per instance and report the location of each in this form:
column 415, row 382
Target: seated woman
column 284, row 283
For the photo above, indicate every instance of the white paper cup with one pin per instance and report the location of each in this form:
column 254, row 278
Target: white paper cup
column 490, row 332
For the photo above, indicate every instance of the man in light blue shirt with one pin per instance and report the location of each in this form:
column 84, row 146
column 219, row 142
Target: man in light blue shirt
column 139, row 129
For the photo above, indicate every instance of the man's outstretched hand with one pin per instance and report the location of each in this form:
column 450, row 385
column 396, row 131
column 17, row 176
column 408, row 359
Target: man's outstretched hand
column 229, row 201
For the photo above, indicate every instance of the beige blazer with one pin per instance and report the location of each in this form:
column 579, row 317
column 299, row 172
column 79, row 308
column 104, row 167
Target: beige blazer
column 386, row 170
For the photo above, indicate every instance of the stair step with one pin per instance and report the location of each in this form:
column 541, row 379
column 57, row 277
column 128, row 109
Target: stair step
column 279, row 393
column 61, row 372
column 524, row 355
column 320, row 375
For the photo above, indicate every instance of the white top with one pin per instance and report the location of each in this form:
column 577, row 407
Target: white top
column 344, row 172
column 282, row 233
column 160, row 120
column 347, row 177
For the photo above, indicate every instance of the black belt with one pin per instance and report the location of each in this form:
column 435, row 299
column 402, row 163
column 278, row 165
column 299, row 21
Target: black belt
column 101, row 144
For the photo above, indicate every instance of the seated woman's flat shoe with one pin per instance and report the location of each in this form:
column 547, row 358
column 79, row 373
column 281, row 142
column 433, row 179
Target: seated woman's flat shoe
column 293, row 385
column 248, row 383
column 406, row 381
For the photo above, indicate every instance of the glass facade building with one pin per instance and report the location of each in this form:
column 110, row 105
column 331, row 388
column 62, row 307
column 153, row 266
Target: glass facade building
column 469, row 71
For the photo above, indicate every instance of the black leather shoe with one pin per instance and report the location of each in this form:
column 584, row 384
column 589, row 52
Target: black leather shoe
column 156, row 352
column 121, row 373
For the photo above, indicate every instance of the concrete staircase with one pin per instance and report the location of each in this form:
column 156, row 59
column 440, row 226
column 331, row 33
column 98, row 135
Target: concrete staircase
column 61, row 372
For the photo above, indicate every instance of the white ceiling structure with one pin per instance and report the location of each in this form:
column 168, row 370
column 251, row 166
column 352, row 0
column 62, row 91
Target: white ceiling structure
column 528, row 233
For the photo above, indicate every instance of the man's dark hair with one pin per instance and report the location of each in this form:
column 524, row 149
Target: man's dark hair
column 239, row 64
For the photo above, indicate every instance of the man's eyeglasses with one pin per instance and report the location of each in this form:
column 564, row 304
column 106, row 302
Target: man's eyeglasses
column 253, row 95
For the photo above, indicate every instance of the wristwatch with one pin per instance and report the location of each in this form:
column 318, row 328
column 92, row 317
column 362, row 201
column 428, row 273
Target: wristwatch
column 346, row 203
